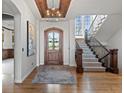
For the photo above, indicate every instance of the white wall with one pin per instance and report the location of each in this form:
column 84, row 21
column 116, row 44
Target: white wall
column 110, row 34
column 22, row 13
column 38, row 43
column 72, row 43
column 110, row 26
column 27, row 63
column 115, row 42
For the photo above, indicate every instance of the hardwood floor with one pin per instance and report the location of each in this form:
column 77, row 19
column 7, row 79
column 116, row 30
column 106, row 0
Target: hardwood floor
column 88, row 82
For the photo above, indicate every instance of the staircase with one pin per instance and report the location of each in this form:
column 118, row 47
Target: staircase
column 90, row 62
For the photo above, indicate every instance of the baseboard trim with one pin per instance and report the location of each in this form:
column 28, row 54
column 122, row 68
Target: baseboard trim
column 28, row 73
column 41, row 63
column 21, row 81
column 72, row 65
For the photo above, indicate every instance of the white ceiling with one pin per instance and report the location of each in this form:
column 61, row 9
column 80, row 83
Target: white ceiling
column 8, row 8
column 90, row 7
column 84, row 7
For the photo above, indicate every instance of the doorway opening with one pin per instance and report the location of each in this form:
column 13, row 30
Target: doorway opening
column 8, row 45
column 13, row 36
column 53, row 46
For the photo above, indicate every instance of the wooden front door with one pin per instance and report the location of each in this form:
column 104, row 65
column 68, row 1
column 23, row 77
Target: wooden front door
column 53, row 46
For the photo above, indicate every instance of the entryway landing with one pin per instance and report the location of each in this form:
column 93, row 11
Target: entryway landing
column 88, row 82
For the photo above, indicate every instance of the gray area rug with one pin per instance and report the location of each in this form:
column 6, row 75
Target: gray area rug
column 54, row 75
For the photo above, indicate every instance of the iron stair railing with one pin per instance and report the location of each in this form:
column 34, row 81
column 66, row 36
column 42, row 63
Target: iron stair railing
column 108, row 58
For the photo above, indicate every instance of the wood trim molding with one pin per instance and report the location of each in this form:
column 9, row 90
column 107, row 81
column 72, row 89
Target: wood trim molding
column 114, row 61
column 7, row 53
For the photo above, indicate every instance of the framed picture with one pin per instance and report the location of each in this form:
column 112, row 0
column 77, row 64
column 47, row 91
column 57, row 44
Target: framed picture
column 30, row 39
column 2, row 37
column 13, row 39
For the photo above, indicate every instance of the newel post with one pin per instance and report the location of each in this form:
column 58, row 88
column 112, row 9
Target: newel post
column 78, row 57
column 114, row 61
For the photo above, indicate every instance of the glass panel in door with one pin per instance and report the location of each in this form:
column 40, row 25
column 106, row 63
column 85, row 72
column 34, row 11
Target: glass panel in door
column 53, row 41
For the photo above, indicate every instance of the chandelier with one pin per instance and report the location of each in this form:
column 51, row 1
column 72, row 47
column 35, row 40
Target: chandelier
column 53, row 8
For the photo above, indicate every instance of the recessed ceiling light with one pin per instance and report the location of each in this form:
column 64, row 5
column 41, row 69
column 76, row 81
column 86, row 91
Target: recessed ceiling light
column 59, row 14
column 52, row 14
column 48, row 11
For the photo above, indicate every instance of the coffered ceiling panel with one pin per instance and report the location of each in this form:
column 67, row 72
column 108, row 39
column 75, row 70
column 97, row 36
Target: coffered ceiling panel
column 53, row 8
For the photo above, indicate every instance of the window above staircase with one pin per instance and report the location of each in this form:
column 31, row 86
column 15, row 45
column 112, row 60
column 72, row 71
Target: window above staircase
column 89, row 23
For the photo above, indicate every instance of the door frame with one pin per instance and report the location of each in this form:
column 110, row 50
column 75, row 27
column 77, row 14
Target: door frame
column 45, row 40
column 17, row 37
